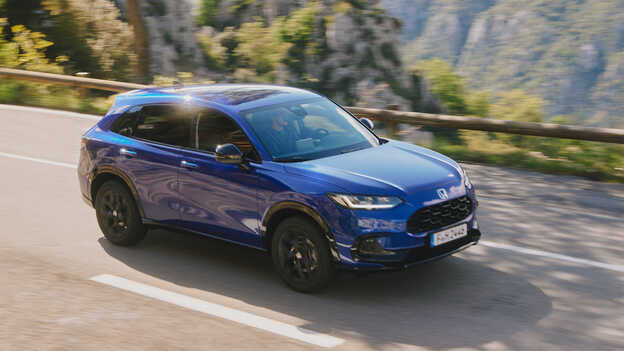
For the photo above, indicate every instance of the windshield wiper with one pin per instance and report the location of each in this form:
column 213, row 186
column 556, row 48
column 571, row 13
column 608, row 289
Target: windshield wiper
column 291, row 159
column 354, row 149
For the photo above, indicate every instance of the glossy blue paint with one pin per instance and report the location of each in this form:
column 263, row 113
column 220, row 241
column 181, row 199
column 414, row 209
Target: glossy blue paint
column 219, row 199
column 232, row 202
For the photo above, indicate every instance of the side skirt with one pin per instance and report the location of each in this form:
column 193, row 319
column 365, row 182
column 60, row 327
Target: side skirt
column 154, row 224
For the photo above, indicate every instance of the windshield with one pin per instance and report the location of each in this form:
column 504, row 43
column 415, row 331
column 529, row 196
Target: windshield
column 307, row 130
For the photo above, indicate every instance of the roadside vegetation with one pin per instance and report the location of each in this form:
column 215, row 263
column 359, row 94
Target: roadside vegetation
column 597, row 161
column 27, row 50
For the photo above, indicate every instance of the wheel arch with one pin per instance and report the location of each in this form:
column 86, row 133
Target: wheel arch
column 105, row 173
column 280, row 211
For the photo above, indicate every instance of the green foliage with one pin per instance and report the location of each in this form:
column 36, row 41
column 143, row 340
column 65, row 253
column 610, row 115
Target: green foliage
column 448, row 86
column 241, row 5
column 516, row 105
column 389, row 53
column 478, row 103
column 27, row 50
column 88, row 33
column 100, row 43
column 254, row 51
column 297, row 30
column 208, row 10
column 342, row 7
column 597, row 161
column 155, row 8
column 259, row 47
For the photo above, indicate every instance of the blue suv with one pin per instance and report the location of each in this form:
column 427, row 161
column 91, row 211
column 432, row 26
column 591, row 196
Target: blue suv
column 278, row 169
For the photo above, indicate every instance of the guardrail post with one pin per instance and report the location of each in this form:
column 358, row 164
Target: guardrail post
column 391, row 127
column 82, row 91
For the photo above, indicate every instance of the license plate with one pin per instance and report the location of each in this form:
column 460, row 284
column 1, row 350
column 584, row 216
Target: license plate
column 450, row 234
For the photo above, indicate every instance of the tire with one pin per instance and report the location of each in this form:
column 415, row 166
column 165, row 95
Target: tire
column 117, row 214
column 301, row 255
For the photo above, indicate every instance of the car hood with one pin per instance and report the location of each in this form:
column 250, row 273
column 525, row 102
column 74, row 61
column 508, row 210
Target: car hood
column 394, row 168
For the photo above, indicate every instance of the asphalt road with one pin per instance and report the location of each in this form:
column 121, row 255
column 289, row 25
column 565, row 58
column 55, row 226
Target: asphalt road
column 548, row 276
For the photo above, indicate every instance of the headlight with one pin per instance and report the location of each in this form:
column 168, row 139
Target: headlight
column 467, row 181
column 365, row 202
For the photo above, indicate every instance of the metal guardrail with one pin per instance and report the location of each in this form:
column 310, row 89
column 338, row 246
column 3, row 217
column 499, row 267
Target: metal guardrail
column 60, row 79
column 607, row 135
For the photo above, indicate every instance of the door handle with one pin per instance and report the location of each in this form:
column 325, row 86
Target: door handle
column 127, row 152
column 187, row 164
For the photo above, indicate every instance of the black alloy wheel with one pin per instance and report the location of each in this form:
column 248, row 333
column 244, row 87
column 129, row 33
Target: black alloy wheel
column 301, row 255
column 117, row 215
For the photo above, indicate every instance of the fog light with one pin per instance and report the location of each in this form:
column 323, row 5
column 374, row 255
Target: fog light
column 371, row 247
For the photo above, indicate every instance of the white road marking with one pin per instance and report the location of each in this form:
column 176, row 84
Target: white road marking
column 532, row 252
column 49, row 112
column 40, row 160
column 212, row 309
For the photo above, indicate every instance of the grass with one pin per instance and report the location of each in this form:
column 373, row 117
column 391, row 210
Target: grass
column 54, row 97
column 591, row 160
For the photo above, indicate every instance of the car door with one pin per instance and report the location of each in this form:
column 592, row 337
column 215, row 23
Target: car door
column 219, row 199
column 151, row 156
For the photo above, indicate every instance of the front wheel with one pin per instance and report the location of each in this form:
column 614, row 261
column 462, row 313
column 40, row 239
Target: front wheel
column 301, row 255
column 117, row 214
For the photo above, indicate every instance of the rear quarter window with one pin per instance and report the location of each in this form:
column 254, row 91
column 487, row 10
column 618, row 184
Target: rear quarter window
column 126, row 123
column 165, row 124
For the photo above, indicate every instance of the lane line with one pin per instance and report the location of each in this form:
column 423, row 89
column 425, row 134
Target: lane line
column 266, row 324
column 50, row 112
column 39, row 160
column 532, row 252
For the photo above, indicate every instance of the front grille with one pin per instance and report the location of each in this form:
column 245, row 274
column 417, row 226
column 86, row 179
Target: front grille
column 439, row 215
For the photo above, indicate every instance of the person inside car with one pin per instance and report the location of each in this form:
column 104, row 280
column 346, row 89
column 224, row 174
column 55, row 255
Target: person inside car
column 280, row 137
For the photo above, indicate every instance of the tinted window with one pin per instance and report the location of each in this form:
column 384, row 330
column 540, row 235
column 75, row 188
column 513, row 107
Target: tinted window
column 167, row 124
column 215, row 128
column 308, row 129
column 126, row 123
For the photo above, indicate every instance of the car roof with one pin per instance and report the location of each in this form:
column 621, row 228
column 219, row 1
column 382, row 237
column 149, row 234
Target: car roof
column 231, row 96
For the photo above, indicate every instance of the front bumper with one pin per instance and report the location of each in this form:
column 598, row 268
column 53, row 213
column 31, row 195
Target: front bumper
column 406, row 258
column 380, row 240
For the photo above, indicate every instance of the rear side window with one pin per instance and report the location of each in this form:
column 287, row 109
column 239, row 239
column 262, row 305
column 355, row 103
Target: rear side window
column 214, row 128
column 126, row 123
column 165, row 124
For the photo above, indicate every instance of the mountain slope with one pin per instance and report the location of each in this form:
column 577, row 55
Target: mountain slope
column 571, row 53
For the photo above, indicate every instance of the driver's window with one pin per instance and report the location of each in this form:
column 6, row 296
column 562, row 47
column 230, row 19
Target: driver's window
column 213, row 128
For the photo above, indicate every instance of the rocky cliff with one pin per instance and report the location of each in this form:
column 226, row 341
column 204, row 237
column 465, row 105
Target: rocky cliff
column 348, row 50
column 571, row 53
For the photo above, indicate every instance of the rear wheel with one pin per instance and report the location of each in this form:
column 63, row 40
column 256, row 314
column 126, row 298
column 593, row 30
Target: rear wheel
column 117, row 214
column 301, row 255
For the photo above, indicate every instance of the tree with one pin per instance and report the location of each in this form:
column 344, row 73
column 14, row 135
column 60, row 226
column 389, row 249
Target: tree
column 448, row 86
column 207, row 12
column 516, row 105
column 258, row 47
column 141, row 42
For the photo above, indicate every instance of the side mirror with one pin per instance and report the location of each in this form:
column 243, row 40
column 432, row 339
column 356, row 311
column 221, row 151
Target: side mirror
column 229, row 153
column 367, row 123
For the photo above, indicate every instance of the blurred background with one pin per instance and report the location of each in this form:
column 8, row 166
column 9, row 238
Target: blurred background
column 557, row 61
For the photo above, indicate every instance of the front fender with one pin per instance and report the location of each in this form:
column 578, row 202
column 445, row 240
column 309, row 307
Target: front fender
column 289, row 206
